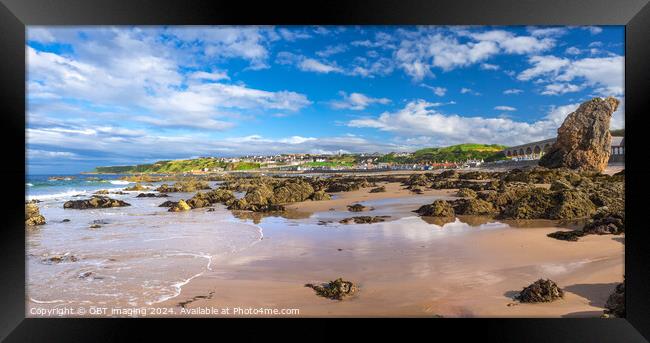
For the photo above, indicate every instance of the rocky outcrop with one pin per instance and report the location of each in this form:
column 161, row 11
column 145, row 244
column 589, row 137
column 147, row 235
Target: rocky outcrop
column 136, row 187
column 33, row 216
column 466, row 193
column 184, row 186
column 335, row 290
column 615, row 305
column 583, row 140
column 470, row 206
column 94, row 202
column 168, row 203
column 217, row 196
column 540, row 291
column 439, row 208
column 291, row 191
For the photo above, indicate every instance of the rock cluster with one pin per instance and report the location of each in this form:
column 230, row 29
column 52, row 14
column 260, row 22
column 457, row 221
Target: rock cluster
column 152, row 195
column 94, row 202
column 32, row 215
column 439, row 208
column 466, row 193
column 136, row 187
column 583, row 140
column 540, row 291
column 335, row 290
column 380, row 189
column 615, row 305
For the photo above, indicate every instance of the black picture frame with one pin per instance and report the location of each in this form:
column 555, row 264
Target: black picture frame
column 634, row 14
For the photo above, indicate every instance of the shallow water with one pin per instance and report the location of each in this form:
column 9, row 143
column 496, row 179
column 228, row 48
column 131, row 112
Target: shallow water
column 141, row 254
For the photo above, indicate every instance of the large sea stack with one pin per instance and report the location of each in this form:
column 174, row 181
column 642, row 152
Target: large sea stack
column 583, row 140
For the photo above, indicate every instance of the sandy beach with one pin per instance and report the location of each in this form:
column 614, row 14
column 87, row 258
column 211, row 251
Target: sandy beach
column 408, row 267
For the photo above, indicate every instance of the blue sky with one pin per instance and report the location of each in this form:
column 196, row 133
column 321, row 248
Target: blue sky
column 125, row 95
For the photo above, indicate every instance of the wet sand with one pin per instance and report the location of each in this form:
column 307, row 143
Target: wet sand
column 410, row 267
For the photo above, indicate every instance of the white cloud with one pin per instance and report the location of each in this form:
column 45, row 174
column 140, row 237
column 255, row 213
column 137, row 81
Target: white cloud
column 505, row 108
column 488, row 66
column 466, row 90
column 512, row 91
column 309, row 64
column 439, row 91
column 604, row 74
column 572, row 51
column 213, row 76
column 547, row 31
column 332, row 50
column 560, row 88
column 357, row 101
column 594, row 30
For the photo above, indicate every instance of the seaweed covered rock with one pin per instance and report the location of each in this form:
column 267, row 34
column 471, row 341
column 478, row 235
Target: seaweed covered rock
column 363, row 220
column 606, row 222
column 615, row 305
column 180, row 206
column 335, row 290
column 336, row 186
column 583, row 139
column 571, row 236
column 378, row 190
column 418, row 180
column 439, row 208
column 528, row 203
column 291, row 191
column 475, row 175
column 94, row 202
column 33, row 216
column 540, row 291
column 472, row 206
column 571, row 204
column 320, row 195
column 101, row 192
column 356, row 208
column 466, row 193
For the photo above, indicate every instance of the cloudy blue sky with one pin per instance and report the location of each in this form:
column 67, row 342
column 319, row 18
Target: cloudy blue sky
column 125, row 95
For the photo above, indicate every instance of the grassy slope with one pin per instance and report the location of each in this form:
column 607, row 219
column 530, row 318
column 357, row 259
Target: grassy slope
column 179, row 166
column 454, row 153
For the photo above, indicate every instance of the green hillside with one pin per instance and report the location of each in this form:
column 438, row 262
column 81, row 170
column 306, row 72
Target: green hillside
column 454, row 153
column 178, row 166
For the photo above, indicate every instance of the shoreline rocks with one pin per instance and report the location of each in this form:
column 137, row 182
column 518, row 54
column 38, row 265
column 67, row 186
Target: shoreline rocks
column 152, row 195
column 364, row 219
column 94, row 202
column 356, row 208
column 615, row 305
column 439, row 208
column 33, row 216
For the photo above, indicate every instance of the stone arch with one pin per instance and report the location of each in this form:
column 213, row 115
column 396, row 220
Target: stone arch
column 529, row 151
column 509, row 153
column 521, row 151
column 537, row 149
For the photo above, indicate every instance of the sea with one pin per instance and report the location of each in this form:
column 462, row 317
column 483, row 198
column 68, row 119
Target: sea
column 138, row 255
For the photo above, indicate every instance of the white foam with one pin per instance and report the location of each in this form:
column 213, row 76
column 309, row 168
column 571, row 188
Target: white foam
column 120, row 182
column 66, row 194
column 29, row 184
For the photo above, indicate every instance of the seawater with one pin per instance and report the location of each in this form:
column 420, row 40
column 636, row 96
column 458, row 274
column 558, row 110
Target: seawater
column 141, row 255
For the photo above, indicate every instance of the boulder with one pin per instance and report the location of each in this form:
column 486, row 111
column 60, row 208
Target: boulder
column 439, row 208
column 180, row 206
column 571, row 204
column 335, row 290
column 291, row 191
column 102, row 191
column 606, row 222
column 94, row 202
column 33, row 216
column 540, row 291
column 184, row 186
column 583, row 140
